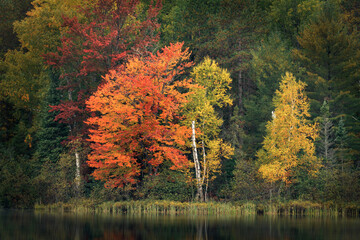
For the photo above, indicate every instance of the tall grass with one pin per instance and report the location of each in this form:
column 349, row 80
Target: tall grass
column 173, row 208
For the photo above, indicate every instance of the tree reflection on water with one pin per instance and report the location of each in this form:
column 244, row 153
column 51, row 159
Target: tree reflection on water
column 30, row 225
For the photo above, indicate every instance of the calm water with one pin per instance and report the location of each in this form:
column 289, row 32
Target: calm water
column 29, row 225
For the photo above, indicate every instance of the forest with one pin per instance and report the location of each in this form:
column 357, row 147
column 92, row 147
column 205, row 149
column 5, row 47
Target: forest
column 179, row 100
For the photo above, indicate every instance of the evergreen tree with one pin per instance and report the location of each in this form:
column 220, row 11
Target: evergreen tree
column 288, row 17
column 326, row 143
column 329, row 52
column 51, row 134
column 327, row 47
column 49, row 147
column 341, row 143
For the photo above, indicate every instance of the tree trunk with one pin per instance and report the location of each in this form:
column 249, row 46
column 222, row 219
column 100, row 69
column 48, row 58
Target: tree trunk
column 77, row 173
column 200, row 194
column 77, row 155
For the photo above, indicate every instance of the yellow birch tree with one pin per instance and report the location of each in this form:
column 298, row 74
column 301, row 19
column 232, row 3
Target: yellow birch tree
column 210, row 91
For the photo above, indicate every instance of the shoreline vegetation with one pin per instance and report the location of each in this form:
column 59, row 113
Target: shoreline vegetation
column 251, row 105
column 174, row 208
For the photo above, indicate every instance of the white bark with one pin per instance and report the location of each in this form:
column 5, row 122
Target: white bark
column 77, row 156
column 77, row 173
column 197, row 164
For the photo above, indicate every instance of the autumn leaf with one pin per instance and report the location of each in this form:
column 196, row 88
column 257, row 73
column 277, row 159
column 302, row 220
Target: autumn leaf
column 138, row 115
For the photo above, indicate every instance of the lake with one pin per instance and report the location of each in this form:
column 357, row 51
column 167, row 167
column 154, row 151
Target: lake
column 16, row 224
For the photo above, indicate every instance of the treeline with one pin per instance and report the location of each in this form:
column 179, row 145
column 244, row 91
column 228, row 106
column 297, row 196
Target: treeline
column 229, row 100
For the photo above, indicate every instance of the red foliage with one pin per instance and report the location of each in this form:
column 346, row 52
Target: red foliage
column 111, row 32
column 137, row 123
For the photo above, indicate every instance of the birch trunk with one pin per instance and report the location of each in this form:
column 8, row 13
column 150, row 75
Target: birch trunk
column 77, row 156
column 199, row 194
column 77, row 173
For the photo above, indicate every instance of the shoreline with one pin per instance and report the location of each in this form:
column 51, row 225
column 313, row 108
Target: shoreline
column 173, row 208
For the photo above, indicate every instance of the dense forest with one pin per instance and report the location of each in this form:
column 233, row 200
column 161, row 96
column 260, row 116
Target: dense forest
column 206, row 100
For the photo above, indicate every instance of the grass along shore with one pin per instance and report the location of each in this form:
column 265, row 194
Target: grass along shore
column 172, row 208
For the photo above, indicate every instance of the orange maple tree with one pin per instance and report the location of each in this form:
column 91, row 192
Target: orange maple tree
column 136, row 118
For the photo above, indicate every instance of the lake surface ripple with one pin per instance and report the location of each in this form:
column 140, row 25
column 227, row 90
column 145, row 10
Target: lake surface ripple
column 15, row 224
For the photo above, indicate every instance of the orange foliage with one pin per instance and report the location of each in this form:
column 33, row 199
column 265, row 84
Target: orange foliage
column 135, row 123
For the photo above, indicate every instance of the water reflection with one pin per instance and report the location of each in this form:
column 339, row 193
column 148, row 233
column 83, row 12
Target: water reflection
column 29, row 225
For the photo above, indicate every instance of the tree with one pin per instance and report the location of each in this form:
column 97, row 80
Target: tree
column 50, row 135
column 11, row 11
column 341, row 141
column 329, row 52
column 290, row 16
column 16, row 185
column 223, row 30
column 327, row 140
column 111, row 31
column 211, row 91
column 136, row 118
column 24, row 79
column 247, row 184
column 351, row 10
column 269, row 62
column 289, row 143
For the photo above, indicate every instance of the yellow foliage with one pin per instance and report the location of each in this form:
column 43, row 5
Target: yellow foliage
column 210, row 90
column 217, row 149
column 289, row 143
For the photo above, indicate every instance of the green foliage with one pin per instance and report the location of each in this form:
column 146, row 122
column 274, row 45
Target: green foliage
column 341, row 140
column 270, row 60
column 306, row 187
column 51, row 134
column 11, row 11
column 96, row 191
column 339, row 186
column 16, row 186
column 41, row 30
column 247, row 184
column 223, row 30
column 327, row 47
column 289, row 16
column 25, row 80
column 234, row 133
column 329, row 51
column 55, row 181
column 23, row 83
column 186, row 20
column 256, row 41
column 50, row 164
column 166, row 185
column 326, row 139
